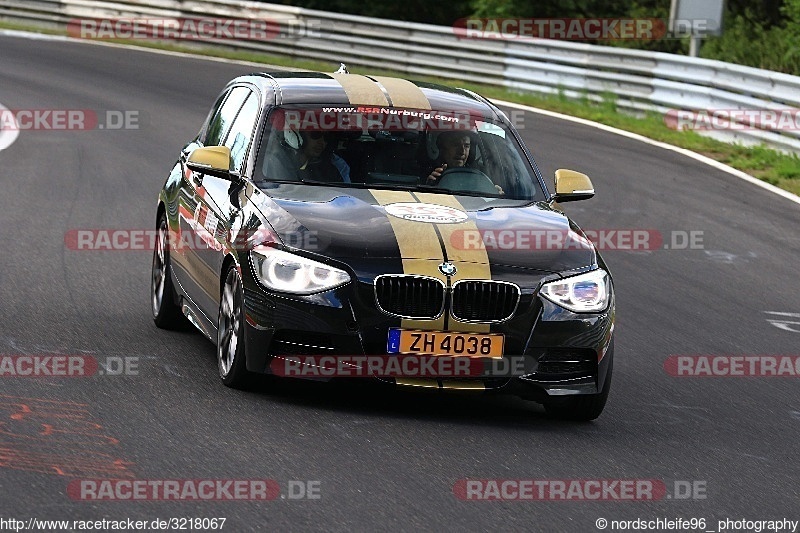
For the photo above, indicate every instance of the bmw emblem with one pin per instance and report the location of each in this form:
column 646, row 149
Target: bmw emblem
column 447, row 268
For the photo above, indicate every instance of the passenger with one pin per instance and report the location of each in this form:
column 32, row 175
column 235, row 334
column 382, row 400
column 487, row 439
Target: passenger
column 320, row 163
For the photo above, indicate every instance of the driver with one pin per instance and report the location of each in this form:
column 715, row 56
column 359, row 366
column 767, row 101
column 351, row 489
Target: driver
column 454, row 147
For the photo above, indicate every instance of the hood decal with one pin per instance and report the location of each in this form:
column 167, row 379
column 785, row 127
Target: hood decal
column 424, row 212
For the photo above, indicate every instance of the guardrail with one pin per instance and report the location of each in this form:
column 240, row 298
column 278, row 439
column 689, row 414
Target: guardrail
column 642, row 81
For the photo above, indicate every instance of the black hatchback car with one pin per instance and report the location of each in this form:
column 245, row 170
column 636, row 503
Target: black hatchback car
column 340, row 225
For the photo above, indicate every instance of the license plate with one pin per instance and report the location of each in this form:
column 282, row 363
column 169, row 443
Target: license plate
column 445, row 343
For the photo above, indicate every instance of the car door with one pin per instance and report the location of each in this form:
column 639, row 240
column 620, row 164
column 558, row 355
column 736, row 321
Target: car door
column 197, row 213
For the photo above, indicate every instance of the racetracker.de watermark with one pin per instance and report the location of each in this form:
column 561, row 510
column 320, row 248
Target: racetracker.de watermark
column 622, row 239
column 121, row 240
column 733, row 119
column 68, row 119
column 66, row 366
column 570, row 29
column 468, row 357
column 192, row 490
column 733, row 366
column 194, row 28
column 579, row 29
column 592, row 490
column 385, row 366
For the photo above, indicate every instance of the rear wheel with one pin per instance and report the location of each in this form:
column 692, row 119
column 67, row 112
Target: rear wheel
column 166, row 313
column 584, row 407
column 230, row 334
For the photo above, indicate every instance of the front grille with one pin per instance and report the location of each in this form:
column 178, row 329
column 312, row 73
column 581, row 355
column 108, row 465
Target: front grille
column 410, row 296
column 421, row 297
column 484, row 301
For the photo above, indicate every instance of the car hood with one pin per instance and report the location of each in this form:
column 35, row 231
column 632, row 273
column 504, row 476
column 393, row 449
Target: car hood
column 369, row 224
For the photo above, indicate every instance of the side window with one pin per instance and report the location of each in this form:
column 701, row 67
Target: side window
column 241, row 132
column 211, row 115
column 222, row 121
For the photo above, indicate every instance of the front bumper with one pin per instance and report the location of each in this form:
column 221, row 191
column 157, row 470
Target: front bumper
column 549, row 351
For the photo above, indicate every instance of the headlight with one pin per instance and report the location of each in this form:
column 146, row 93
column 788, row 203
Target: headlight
column 585, row 293
column 285, row 272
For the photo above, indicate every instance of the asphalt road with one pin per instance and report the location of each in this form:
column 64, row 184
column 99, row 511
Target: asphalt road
column 382, row 460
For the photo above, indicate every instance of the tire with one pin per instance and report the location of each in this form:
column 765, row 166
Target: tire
column 230, row 333
column 583, row 408
column 166, row 313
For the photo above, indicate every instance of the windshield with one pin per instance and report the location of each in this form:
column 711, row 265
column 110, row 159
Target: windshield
column 410, row 149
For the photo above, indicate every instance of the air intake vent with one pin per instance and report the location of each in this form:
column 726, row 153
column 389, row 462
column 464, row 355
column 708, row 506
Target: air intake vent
column 567, row 363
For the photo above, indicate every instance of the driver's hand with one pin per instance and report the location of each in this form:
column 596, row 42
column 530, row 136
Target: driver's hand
column 499, row 189
column 434, row 176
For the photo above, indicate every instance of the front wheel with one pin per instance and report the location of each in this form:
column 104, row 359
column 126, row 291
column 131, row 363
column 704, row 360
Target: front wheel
column 166, row 313
column 230, row 334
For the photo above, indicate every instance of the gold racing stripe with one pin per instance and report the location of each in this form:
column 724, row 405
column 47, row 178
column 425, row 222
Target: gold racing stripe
column 471, row 264
column 419, row 243
column 403, row 93
column 361, row 90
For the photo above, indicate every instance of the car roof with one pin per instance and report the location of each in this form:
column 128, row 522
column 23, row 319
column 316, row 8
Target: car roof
column 360, row 90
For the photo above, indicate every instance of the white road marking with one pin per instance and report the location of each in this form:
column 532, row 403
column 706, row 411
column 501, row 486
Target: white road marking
column 785, row 325
column 7, row 136
column 722, row 256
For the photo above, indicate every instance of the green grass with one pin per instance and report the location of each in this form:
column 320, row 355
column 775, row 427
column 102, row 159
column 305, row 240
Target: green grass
column 766, row 164
column 9, row 25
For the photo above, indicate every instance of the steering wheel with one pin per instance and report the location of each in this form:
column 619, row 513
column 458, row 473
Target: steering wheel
column 466, row 179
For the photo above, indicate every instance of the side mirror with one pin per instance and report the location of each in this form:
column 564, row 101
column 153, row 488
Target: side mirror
column 572, row 186
column 214, row 160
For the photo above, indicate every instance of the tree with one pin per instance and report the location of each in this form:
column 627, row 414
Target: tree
column 424, row 11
